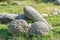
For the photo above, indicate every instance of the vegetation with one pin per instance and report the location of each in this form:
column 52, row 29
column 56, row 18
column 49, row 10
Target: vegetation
column 41, row 8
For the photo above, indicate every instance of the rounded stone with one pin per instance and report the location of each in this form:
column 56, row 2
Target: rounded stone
column 18, row 26
column 16, row 3
column 34, row 15
column 38, row 28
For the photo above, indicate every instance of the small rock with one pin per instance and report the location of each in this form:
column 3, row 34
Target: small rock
column 44, row 15
column 3, row 4
column 38, row 28
column 18, row 26
column 16, row 3
column 7, row 17
column 54, row 13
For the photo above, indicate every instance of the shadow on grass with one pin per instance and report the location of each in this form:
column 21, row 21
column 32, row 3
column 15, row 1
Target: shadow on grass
column 4, row 34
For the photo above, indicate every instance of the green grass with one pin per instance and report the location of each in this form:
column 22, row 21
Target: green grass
column 54, row 34
column 41, row 7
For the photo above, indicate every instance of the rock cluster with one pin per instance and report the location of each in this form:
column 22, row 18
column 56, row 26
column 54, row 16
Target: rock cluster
column 39, row 26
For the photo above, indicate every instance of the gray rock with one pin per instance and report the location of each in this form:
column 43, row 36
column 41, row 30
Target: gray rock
column 58, row 2
column 21, row 16
column 32, row 14
column 16, row 3
column 3, row 4
column 44, row 15
column 18, row 26
column 30, row 25
column 38, row 28
column 7, row 17
column 59, row 11
column 54, row 13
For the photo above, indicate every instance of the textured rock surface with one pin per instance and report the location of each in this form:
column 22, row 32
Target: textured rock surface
column 39, row 28
column 58, row 2
column 17, row 26
column 31, row 13
column 7, row 17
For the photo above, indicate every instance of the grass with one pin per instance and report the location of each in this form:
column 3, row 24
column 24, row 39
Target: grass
column 41, row 8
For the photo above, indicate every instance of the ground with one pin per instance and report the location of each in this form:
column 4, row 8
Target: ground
column 41, row 8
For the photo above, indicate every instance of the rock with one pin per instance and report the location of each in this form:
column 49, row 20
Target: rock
column 59, row 11
column 32, row 14
column 44, row 15
column 39, row 28
column 54, row 13
column 18, row 26
column 21, row 16
column 58, row 2
column 7, row 17
column 16, row 3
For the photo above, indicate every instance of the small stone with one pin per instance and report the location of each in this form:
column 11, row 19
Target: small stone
column 7, row 17
column 18, row 26
column 59, row 11
column 54, row 13
column 44, row 15
column 39, row 28
column 16, row 3
column 21, row 16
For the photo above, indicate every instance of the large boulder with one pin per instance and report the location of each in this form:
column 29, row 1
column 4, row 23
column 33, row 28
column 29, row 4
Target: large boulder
column 7, row 17
column 32, row 14
column 18, row 26
column 38, row 28
column 58, row 2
